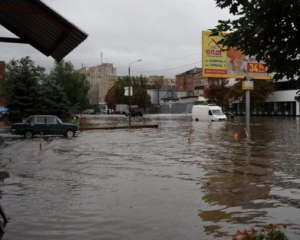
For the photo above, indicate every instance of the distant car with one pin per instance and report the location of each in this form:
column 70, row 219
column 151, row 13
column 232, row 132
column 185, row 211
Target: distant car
column 3, row 110
column 91, row 111
column 88, row 111
column 46, row 124
column 135, row 111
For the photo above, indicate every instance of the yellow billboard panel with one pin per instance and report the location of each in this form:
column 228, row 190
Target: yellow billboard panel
column 228, row 64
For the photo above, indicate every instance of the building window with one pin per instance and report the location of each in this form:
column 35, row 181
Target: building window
column 287, row 85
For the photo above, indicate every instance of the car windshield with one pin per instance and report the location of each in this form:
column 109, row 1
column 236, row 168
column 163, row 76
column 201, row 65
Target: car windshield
column 58, row 120
column 217, row 112
column 28, row 120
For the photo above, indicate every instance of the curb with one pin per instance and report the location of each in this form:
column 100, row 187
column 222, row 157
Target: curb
column 121, row 127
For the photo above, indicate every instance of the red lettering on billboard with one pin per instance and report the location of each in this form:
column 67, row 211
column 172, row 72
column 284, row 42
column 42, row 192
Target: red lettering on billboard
column 256, row 67
column 213, row 52
column 215, row 71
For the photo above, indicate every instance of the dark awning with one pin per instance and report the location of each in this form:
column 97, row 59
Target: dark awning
column 40, row 26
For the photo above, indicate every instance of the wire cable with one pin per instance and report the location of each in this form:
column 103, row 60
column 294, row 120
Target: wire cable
column 168, row 68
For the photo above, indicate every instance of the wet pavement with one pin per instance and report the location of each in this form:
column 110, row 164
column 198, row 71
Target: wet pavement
column 185, row 180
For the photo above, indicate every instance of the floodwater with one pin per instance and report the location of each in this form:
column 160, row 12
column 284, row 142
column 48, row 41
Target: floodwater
column 185, row 180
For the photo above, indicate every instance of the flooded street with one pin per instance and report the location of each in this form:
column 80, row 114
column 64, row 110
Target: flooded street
column 185, row 180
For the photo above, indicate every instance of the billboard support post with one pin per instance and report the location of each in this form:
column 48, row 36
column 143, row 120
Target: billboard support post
column 248, row 106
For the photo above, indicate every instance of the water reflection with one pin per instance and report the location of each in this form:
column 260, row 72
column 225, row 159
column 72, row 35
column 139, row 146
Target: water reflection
column 238, row 176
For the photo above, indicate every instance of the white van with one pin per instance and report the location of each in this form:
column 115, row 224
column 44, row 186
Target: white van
column 208, row 113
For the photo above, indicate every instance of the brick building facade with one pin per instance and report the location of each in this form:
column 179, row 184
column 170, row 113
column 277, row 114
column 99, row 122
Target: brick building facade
column 191, row 81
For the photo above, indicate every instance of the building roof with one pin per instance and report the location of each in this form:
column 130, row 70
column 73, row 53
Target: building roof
column 192, row 71
column 170, row 95
column 40, row 26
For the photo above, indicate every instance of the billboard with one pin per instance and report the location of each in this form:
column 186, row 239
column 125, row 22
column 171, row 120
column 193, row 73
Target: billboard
column 228, row 64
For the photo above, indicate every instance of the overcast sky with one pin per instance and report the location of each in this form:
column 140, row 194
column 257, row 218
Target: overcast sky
column 165, row 34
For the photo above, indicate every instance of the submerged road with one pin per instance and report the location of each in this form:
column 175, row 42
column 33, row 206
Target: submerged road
column 183, row 180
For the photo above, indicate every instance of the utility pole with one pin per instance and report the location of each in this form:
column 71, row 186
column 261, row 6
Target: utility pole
column 129, row 92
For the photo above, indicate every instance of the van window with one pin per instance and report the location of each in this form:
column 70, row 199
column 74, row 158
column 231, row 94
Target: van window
column 209, row 112
column 217, row 112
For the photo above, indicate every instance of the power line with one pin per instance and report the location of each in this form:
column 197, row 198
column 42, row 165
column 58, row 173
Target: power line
column 162, row 61
column 168, row 60
column 151, row 63
column 140, row 56
column 169, row 68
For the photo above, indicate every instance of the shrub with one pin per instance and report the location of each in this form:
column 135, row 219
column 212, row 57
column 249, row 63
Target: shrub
column 270, row 233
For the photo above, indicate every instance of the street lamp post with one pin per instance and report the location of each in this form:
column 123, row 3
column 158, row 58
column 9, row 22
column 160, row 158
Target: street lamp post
column 129, row 92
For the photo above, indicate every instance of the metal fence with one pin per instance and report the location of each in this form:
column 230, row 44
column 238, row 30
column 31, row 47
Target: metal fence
column 173, row 107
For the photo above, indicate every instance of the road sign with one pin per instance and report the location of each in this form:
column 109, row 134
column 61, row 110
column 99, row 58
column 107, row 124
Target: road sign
column 230, row 103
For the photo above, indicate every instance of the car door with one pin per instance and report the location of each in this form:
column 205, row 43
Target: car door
column 39, row 125
column 53, row 125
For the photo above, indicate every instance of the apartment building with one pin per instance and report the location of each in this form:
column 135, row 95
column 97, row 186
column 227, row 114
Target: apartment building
column 168, row 83
column 190, row 83
column 101, row 78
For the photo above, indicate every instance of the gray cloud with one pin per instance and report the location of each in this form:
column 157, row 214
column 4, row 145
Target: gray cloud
column 166, row 34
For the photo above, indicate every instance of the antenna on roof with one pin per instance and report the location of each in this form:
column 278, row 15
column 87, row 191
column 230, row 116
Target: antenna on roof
column 101, row 58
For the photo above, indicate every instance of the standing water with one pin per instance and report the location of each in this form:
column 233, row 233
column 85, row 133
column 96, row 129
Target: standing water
column 185, row 180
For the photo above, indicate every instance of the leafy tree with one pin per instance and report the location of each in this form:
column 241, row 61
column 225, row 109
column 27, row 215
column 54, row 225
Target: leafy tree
column 217, row 91
column 258, row 96
column 73, row 83
column 119, row 85
column 268, row 30
column 110, row 98
column 141, row 98
column 139, row 95
column 159, row 82
column 28, row 91
column 15, row 66
column 2, row 87
column 22, row 85
column 139, row 82
column 53, row 100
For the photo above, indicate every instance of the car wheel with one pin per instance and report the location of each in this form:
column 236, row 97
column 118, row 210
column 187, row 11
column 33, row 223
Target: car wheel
column 69, row 133
column 28, row 134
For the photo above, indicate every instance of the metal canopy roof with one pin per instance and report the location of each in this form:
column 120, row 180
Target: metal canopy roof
column 40, row 26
